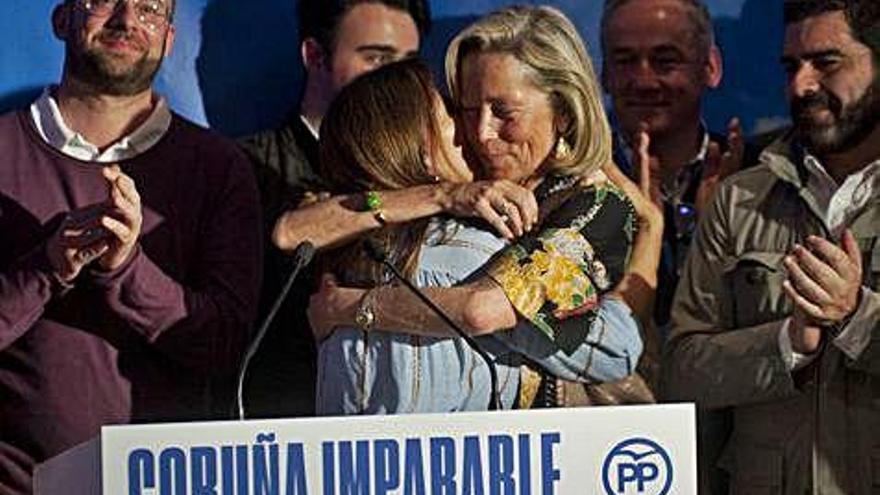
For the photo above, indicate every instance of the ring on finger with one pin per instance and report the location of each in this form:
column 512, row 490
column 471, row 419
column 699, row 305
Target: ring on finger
column 506, row 209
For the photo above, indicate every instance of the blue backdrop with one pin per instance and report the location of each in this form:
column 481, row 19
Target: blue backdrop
column 236, row 66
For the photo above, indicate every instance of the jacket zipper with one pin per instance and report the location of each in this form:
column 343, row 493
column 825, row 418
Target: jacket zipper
column 363, row 385
column 416, row 343
column 817, row 374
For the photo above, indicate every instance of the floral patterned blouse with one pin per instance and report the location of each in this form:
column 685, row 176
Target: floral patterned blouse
column 555, row 277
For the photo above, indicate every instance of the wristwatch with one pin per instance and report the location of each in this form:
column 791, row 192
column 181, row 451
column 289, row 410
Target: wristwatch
column 365, row 317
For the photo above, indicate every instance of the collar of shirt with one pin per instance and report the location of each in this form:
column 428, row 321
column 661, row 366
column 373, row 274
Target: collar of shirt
column 55, row 132
column 674, row 192
column 840, row 204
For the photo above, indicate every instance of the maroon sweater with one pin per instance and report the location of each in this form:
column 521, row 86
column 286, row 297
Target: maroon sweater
column 157, row 339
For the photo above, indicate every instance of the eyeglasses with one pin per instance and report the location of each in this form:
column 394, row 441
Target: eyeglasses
column 150, row 13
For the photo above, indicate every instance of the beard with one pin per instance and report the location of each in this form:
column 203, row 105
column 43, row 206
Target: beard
column 850, row 126
column 109, row 74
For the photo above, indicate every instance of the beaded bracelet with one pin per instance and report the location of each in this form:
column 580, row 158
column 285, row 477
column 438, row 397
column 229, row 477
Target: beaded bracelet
column 374, row 204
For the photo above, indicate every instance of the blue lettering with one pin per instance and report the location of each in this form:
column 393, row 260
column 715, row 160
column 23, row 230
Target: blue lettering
column 386, row 466
column 413, row 468
column 234, row 470
column 204, row 470
column 525, row 465
column 626, row 473
column 638, row 473
column 501, row 465
column 227, row 470
column 647, row 472
column 266, row 473
column 296, row 470
column 443, row 466
column 141, row 471
column 354, row 473
column 549, row 473
column 328, row 460
column 472, row 469
column 241, row 469
column 172, row 472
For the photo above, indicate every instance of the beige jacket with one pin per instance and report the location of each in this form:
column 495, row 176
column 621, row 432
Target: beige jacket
column 816, row 430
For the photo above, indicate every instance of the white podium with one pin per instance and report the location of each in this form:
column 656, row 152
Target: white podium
column 645, row 450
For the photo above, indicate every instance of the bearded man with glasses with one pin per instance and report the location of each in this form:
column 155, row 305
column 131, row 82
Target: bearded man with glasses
column 129, row 246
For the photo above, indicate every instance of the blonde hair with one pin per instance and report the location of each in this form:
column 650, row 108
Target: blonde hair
column 544, row 40
column 697, row 13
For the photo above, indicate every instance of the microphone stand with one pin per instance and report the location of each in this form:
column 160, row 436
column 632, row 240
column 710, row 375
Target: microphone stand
column 302, row 255
column 377, row 253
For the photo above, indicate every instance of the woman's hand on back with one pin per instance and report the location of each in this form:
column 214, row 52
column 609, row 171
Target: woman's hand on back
column 332, row 306
column 509, row 208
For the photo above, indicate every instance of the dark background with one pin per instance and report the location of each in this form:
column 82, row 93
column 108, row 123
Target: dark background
column 236, row 66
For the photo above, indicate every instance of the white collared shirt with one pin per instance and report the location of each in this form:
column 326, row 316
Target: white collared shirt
column 838, row 206
column 55, row 132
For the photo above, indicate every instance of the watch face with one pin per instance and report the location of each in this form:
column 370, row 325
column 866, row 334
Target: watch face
column 364, row 317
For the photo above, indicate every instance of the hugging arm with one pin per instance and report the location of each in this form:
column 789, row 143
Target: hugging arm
column 341, row 219
column 572, row 325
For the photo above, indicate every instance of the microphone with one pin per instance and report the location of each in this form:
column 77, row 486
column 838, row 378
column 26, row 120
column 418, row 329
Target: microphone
column 302, row 255
column 377, row 253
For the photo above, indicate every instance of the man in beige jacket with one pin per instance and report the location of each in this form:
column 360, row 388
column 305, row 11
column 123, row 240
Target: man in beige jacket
column 777, row 316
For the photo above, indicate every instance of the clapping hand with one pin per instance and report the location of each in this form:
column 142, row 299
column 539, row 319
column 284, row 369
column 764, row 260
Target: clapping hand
column 77, row 242
column 719, row 165
column 104, row 233
column 122, row 218
column 647, row 166
column 645, row 196
column 824, row 283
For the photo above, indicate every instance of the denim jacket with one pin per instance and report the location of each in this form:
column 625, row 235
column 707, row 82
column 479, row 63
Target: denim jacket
column 387, row 373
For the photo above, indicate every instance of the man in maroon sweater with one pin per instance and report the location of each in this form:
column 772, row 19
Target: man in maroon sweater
column 129, row 246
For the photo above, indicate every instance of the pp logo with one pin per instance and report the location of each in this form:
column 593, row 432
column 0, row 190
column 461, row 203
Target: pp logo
column 637, row 466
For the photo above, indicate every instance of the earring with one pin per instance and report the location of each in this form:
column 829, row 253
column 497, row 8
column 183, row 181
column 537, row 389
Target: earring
column 562, row 150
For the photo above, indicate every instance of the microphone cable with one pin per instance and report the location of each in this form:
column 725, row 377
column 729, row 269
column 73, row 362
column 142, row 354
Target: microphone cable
column 377, row 253
column 302, row 255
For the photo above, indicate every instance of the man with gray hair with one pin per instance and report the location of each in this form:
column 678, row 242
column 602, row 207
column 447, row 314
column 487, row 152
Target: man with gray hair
column 659, row 61
column 778, row 313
